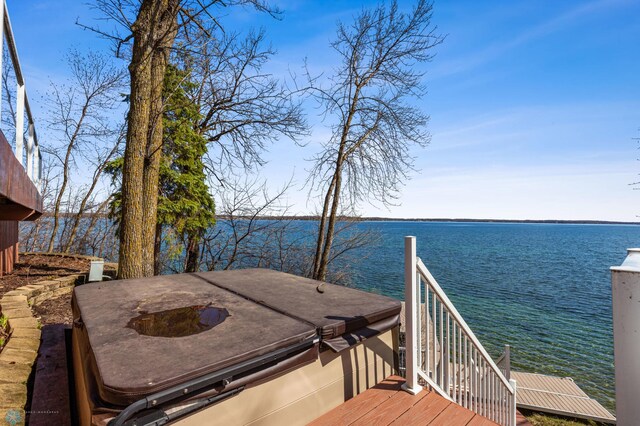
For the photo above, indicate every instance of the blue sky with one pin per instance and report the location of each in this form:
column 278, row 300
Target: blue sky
column 533, row 104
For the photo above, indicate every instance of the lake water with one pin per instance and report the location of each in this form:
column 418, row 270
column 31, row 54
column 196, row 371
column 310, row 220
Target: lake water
column 545, row 289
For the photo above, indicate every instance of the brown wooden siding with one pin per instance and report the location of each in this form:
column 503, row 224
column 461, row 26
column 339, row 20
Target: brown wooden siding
column 8, row 246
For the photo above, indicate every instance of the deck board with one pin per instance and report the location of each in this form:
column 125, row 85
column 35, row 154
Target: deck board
column 454, row 415
column 427, row 409
column 557, row 395
column 361, row 404
column 391, row 409
column 386, row 404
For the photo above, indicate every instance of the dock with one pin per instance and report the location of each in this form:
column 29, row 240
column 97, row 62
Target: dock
column 557, row 395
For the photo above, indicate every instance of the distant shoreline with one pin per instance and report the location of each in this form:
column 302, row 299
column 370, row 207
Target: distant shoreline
column 392, row 219
column 395, row 219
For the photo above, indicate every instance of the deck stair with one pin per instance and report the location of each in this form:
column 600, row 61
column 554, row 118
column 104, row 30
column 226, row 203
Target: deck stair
column 442, row 351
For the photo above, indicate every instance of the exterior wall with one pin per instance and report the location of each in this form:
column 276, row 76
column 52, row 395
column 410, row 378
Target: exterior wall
column 294, row 397
column 8, row 246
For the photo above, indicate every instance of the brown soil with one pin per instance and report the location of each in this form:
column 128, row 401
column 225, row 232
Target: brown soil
column 54, row 311
column 32, row 268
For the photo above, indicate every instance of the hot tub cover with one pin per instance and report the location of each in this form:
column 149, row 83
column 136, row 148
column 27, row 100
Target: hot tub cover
column 268, row 311
column 127, row 365
column 336, row 311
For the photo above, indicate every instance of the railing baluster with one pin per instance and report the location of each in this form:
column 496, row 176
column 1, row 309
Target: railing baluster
column 447, row 364
column 454, row 391
column 499, row 403
column 443, row 348
column 467, row 372
column 459, row 367
column 474, row 391
column 502, row 410
column 485, row 375
column 492, row 397
column 427, row 329
column 470, row 366
column 435, row 334
column 419, row 319
column 494, row 414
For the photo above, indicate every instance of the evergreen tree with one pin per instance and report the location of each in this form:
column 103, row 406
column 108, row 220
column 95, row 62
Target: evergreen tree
column 184, row 202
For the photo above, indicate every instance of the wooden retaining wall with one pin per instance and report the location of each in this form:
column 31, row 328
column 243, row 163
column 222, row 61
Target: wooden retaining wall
column 8, row 246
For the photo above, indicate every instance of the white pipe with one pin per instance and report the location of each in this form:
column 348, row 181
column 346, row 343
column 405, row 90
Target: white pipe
column 625, row 292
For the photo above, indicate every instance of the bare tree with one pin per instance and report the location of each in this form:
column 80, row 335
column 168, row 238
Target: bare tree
column 242, row 107
column 242, row 207
column 81, row 118
column 374, row 121
column 100, row 160
column 254, row 230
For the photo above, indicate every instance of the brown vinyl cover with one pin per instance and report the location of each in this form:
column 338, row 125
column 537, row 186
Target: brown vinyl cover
column 337, row 311
column 128, row 366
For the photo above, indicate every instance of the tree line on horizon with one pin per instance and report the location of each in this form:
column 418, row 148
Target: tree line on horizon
column 177, row 119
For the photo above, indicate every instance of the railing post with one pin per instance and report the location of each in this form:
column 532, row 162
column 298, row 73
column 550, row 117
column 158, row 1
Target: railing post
column 411, row 316
column 39, row 168
column 625, row 292
column 36, row 167
column 512, row 414
column 507, row 361
column 20, row 122
column 30, row 152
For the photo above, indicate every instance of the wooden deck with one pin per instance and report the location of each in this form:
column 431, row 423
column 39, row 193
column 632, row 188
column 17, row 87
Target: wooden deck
column 387, row 404
column 557, row 395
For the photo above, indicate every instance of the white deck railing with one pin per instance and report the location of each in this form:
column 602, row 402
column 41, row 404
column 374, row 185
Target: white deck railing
column 31, row 160
column 443, row 351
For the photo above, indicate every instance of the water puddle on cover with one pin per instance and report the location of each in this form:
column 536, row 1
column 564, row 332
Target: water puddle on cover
column 178, row 322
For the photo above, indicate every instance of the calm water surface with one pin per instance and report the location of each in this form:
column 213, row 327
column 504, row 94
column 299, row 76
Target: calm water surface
column 545, row 289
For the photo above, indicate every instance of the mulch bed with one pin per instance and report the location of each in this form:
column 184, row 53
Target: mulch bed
column 32, row 268
column 54, row 311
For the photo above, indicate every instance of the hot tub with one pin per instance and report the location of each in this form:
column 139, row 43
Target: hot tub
column 250, row 346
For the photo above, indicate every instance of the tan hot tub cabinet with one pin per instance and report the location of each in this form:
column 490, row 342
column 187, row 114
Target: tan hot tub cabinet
column 285, row 354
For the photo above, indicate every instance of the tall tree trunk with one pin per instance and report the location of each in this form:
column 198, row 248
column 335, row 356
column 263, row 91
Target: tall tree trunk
column 130, row 264
column 193, row 253
column 152, row 165
column 321, row 228
column 154, row 32
column 324, row 260
column 325, row 239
